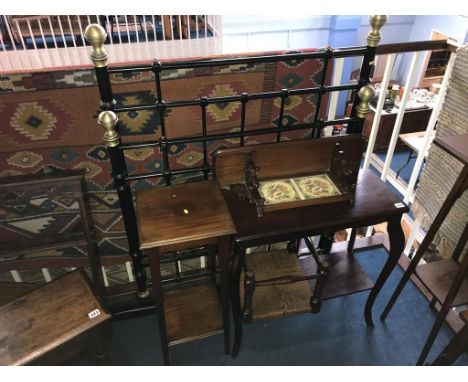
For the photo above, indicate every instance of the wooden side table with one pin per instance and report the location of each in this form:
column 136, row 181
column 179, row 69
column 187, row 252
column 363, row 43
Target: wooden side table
column 177, row 218
column 51, row 315
column 374, row 204
column 446, row 279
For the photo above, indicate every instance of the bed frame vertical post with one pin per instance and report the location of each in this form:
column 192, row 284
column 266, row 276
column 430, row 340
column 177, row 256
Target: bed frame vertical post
column 206, row 167
column 244, row 100
column 96, row 36
column 161, row 108
column 318, row 124
column 361, row 105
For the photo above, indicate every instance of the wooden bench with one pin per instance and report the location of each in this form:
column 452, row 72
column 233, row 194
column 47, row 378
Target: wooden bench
column 47, row 317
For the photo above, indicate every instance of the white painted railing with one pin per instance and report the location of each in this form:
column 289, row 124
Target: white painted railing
column 383, row 167
column 401, row 113
column 37, row 42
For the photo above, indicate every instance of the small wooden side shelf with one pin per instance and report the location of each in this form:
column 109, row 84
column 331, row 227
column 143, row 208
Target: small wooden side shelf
column 178, row 218
column 51, row 315
column 445, row 279
column 438, row 276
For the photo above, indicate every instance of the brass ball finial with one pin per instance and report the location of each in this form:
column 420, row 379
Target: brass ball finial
column 96, row 35
column 108, row 120
column 365, row 94
column 374, row 36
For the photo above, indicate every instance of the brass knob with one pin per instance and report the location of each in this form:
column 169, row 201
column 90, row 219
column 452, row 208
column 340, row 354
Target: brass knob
column 374, row 36
column 96, row 36
column 108, row 120
column 365, row 94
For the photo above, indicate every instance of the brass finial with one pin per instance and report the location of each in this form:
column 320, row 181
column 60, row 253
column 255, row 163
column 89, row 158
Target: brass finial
column 374, row 36
column 108, row 120
column 365, row 94
column 96, row 35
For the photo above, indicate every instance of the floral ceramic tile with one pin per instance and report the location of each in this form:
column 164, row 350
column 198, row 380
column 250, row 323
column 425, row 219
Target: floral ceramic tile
column 301, row 188
column 317, row 186
column 278, row 191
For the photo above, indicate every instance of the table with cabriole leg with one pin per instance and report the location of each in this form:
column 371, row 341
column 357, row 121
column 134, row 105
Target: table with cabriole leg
column 373, row 204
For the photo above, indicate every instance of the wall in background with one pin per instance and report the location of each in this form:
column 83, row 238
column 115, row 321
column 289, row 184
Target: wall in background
column 256, row 33
column 259, row 33
column 452, row 26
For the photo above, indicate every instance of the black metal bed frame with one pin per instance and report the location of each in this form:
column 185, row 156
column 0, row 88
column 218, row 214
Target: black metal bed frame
column 116, row 148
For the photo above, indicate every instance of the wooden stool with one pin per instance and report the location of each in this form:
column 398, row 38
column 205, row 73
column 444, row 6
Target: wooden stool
column 51, row 315
column 178, row 218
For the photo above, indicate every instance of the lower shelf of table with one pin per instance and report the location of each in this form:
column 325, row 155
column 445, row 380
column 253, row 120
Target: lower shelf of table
column 192, row 313
column 438, row 276
column 345, row 277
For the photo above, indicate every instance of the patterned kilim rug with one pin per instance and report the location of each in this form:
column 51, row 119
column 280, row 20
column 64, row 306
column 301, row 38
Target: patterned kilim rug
column 441, row 169
column 49, row 124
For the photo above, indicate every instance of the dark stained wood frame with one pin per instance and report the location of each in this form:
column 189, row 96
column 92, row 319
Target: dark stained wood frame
column 71, row 180
column 456, row 146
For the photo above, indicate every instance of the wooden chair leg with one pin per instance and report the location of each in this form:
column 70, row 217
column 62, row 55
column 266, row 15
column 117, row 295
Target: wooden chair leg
column 316, row 299
column 249, row 288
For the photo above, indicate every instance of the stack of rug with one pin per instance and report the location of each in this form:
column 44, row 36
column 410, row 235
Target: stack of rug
column 441, row 169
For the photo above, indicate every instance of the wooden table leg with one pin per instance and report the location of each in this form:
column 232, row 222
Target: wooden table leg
column 397, row 244
column 235, row 272
column 155, row 267
column 223, row 253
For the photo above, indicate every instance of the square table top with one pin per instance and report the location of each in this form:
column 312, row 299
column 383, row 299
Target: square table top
column 182, row 213
column 47, row 317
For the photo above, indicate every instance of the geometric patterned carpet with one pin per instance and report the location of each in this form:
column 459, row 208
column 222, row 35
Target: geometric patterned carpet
column 50, row 125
